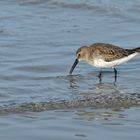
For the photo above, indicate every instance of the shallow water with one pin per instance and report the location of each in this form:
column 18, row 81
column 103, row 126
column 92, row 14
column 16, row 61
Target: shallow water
column 72, row 124
column 38, row 40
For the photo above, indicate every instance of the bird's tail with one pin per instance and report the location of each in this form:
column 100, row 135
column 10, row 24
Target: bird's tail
column 136, row 49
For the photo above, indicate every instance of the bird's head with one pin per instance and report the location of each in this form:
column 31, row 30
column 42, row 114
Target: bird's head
column 81, row 54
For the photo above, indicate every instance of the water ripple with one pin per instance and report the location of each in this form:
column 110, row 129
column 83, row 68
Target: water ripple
column 113, row 101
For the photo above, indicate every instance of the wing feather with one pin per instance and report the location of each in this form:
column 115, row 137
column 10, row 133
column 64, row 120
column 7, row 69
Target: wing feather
column 109, row 52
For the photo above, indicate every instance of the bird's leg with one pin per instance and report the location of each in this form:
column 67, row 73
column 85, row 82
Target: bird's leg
column 100, row 75
column 115, row 72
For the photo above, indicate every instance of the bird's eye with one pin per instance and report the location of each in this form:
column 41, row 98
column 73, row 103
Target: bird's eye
column 79, row 55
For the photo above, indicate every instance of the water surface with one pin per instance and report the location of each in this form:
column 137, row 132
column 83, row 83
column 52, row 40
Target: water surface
column 38, row 40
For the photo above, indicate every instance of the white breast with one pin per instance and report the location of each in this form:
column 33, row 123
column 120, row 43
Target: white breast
column 103, row 64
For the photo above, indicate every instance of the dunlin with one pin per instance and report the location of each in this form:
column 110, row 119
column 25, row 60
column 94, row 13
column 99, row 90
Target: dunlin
column 103, row 55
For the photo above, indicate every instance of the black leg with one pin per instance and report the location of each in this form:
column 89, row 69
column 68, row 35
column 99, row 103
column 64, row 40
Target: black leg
column 100, row 76
column 115, row 71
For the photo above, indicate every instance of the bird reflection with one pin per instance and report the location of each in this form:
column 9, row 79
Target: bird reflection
column 73, row 81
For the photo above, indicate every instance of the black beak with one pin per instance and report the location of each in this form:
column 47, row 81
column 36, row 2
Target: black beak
column 73, row 66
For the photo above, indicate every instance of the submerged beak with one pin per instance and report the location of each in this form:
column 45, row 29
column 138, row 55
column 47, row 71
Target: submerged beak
column 73, row 66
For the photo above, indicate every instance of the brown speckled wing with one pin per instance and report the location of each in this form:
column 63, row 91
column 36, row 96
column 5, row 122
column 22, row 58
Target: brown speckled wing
column 110, row 52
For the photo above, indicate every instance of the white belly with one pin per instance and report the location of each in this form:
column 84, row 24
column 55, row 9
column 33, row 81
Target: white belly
column 103, row 64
